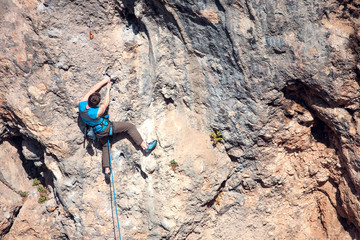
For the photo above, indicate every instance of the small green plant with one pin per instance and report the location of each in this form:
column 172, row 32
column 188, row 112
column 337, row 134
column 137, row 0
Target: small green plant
column 40, row 188
column 7, row 67
column 44, row 195
column 23, row 194
column 173, row 164
column 43, row 198
column 216, row 137
column 36, row 182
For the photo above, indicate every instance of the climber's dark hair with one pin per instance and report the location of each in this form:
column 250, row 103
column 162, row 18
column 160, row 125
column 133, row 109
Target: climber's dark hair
column 94, row 99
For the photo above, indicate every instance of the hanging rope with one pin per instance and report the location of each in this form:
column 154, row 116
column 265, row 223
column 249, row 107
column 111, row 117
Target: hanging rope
column 112, row 179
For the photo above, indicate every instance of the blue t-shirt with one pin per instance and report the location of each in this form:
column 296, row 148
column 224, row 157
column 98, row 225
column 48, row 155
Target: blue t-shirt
column 89, row 116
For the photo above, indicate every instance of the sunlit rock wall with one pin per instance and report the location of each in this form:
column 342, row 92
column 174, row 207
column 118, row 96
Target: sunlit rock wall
column 278, row 79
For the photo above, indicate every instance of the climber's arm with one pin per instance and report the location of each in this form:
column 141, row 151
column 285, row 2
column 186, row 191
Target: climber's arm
column 106, row 102
column 95, row 88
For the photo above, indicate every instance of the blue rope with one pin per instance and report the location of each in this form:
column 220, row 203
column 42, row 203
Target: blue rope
column 113, row 186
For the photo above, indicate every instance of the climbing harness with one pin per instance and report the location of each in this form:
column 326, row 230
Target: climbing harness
column 97, row 125
column 112, row 178
column 91, row 130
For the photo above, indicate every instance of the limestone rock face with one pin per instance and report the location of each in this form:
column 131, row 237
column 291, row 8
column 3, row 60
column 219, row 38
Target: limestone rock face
column 12, row 173
column 10, row 205
column 278, row 79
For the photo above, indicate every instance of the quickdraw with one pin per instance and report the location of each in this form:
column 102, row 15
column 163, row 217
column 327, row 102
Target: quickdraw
column 91, row 35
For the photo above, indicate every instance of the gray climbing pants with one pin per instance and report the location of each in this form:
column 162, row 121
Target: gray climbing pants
column 118, row 127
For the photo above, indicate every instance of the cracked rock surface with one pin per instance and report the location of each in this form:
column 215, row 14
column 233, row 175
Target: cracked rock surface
column 278, row 79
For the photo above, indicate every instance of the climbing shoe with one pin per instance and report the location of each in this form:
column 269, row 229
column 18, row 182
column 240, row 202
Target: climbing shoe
column 151, row 146
column 107, row 177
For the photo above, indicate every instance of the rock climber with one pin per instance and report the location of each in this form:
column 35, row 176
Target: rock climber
column 95, row 116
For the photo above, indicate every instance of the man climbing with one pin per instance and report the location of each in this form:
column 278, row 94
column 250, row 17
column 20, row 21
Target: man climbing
column 94, row 116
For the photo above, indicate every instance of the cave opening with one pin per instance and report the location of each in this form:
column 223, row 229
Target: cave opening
column 34, row 169
column 322, row 133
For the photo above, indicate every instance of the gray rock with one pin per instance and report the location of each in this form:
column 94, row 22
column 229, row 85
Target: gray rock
column 32, row 150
